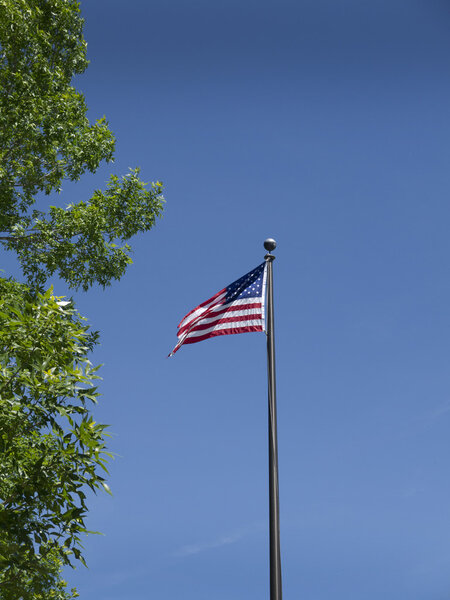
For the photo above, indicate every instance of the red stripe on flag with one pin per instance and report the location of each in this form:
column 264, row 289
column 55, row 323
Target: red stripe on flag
column 201, row 326
column 212, row 314
column 247, row 329
column 205, row 303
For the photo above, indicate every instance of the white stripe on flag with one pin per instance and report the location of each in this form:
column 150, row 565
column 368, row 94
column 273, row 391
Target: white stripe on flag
column 237, row 324
column 199, row 311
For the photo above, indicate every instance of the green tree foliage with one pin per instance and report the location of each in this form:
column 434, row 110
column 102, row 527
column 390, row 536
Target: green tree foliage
column 45, row 138
column 51, row 450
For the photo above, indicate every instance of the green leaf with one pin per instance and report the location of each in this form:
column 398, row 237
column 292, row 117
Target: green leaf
column 106, row 487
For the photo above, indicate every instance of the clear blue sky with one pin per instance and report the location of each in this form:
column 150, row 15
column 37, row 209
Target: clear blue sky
column 325, row 125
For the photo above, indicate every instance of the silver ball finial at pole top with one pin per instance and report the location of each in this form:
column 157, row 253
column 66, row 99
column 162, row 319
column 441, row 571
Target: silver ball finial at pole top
column 270, row 244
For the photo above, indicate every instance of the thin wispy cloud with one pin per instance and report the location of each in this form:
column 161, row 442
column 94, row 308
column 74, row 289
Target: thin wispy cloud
column 440, row 410
column 224, row 540
column 426, row 420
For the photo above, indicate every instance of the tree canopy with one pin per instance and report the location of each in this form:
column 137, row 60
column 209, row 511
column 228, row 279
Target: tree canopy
column 46, row 138
column 51, row 449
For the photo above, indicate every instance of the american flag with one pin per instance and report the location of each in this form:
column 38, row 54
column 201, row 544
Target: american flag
column 238, row 308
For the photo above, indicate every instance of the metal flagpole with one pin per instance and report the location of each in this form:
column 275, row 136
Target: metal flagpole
column 274, row 506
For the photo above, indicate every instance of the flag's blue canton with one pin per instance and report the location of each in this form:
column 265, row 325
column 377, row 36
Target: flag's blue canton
column 248, row 286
